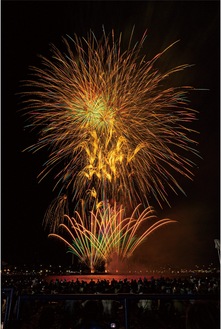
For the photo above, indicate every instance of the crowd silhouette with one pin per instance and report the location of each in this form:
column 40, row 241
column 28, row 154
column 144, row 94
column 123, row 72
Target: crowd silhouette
column 143, row 313
column 41, row 285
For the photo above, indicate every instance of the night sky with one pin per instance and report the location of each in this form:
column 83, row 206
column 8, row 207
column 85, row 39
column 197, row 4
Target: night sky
column 28, row 28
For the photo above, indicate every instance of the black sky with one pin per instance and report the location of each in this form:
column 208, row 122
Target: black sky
column 28, row 27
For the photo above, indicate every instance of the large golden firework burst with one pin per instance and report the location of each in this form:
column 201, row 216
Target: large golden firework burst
column 107, row 116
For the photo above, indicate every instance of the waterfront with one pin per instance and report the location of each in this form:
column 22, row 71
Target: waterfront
column 98, row 277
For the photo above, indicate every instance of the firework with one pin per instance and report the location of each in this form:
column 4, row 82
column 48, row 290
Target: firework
column 118, row 135
column 110, row 123
column 107, row 233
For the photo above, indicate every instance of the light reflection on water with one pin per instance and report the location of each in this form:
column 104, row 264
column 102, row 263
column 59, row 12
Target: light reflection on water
column 96, row 277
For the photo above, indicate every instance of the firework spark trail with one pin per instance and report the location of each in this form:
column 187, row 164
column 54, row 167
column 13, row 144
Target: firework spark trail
column 108, row 118
column 109, row 233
